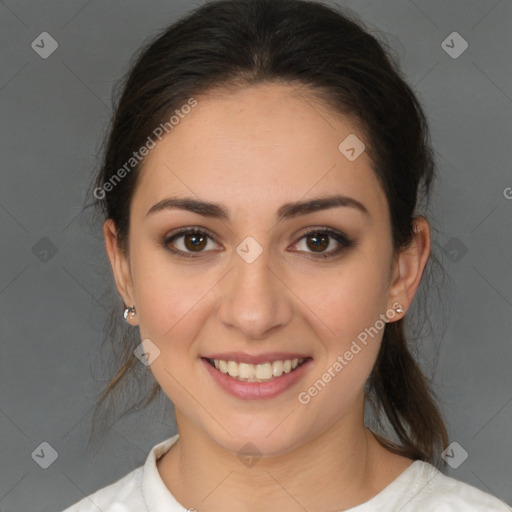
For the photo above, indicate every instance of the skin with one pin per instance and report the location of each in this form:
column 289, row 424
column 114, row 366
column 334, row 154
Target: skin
column 254, row 150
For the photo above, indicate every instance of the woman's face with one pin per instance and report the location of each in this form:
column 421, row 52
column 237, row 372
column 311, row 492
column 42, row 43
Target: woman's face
column 251, row 285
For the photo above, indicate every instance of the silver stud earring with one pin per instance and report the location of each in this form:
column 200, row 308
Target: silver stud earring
column 399, row 309
column 129, row 311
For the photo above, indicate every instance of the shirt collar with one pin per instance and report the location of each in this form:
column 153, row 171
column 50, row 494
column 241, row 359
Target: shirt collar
column 157, row 496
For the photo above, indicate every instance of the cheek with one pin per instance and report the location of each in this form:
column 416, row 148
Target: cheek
column 352, row 306
column 349, row 299
column 166, row 299
column 348, row 308
column 171, row 313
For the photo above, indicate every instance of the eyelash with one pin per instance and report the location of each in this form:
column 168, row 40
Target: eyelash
column 339, row 237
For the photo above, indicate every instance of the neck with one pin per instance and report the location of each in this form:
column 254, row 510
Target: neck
column 341, row 468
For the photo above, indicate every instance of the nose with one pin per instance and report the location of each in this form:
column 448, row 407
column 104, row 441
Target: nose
column 255, row 299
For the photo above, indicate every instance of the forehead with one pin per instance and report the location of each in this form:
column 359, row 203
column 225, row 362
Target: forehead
column 257, row 143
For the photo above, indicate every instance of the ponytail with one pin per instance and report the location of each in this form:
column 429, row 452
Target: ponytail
column 398, row 388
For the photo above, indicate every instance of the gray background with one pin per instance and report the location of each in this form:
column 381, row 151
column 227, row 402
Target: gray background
column 53, row 304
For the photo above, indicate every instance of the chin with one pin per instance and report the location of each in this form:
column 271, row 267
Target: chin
column 266, row 438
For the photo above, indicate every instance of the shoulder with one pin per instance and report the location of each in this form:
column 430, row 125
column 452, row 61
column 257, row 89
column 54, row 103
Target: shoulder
column 112, row 497
column 440, row 493
column 139, row 490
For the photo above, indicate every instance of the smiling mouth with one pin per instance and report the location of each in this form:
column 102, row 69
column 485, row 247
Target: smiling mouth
column 263, row 372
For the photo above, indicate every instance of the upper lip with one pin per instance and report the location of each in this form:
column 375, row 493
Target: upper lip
column 241, row 357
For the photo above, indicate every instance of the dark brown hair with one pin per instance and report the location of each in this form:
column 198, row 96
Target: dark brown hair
column 235, row 43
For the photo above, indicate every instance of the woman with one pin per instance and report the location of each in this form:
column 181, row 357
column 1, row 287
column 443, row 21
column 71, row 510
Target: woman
column 261, row 187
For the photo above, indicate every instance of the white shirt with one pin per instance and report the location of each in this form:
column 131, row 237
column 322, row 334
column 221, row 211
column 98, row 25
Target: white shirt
column 421, row 487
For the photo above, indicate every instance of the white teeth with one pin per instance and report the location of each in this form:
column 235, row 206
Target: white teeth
column 263, row 371
column 233, row 368
column 277, row 368
column 246, row 371
column 257, row 372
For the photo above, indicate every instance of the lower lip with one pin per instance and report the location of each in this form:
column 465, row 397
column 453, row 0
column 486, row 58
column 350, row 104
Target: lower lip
column 257, row 390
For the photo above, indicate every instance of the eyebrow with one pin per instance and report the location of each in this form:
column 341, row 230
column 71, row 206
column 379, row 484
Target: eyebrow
column 287, row 211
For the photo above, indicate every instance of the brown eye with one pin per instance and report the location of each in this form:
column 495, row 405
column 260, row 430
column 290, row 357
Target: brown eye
column 317, row 242
column 323, row 243
column 189, row 242
column 195, row 242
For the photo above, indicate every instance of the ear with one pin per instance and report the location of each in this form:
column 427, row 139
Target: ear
column 120, row 266
column 408, row 267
